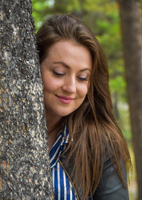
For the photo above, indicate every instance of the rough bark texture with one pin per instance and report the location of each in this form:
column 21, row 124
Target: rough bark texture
column 24, row 162
column 132, row 46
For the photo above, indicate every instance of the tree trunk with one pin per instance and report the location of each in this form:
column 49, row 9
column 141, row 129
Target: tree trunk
column 24, row 161
column 132, row 47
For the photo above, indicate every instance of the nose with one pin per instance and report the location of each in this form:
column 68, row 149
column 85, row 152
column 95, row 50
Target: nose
column 69, row 85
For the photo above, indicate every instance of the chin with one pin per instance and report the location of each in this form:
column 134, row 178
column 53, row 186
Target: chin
column 64, row 113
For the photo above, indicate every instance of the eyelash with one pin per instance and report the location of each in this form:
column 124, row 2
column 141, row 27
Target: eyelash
column 57, row 74
column 82, row 79
column 60, row 74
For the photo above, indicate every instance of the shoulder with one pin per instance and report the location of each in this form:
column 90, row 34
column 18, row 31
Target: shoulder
column 110, row 186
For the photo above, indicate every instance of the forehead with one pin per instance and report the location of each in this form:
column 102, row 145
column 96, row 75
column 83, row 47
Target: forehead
column 68, row 51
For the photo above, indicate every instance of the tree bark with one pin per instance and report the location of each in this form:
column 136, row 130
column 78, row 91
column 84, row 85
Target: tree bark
column 24, row 161
column 132, row 47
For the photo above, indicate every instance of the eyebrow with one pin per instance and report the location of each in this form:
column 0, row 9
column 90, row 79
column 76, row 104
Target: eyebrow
column 68, row 67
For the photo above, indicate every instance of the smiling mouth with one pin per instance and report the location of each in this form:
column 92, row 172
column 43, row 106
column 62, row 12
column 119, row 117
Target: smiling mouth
column 65, row 99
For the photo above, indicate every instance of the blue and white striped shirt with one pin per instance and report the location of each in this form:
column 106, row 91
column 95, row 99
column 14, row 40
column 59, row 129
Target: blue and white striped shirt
column 61, row 183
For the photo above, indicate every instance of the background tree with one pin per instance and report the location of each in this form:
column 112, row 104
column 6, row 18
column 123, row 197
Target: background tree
column 24, row 162
column 130, row 15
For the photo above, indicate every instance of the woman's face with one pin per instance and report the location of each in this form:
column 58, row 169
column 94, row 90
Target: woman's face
column 65, row 73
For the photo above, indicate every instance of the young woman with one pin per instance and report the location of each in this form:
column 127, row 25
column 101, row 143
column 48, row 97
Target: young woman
column 88, row 153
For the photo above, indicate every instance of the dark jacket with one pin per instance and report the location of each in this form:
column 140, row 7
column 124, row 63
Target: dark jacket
column 110, row 186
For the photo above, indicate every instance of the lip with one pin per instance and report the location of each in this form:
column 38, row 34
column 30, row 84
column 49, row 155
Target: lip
column 65, row 99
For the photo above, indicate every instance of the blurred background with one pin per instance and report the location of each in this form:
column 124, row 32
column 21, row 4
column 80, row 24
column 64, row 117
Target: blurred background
column 103, row 17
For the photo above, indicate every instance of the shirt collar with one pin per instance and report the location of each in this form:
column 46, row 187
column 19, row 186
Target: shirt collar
column 59, row 146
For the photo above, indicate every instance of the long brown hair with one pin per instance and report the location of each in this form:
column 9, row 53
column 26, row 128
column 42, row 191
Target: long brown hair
column 92, row 126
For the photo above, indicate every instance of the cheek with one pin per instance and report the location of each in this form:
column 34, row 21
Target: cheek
column 47, row 82
column 83, row 91
column 50, row 84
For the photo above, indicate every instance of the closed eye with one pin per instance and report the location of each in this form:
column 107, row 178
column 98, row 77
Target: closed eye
column 57, row 73
column 83, row 78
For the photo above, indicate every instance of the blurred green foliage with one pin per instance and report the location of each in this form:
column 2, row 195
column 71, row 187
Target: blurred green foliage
column 102, row 16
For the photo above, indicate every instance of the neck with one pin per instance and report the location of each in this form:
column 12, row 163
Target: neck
column 53, row 125
column 52, row 122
